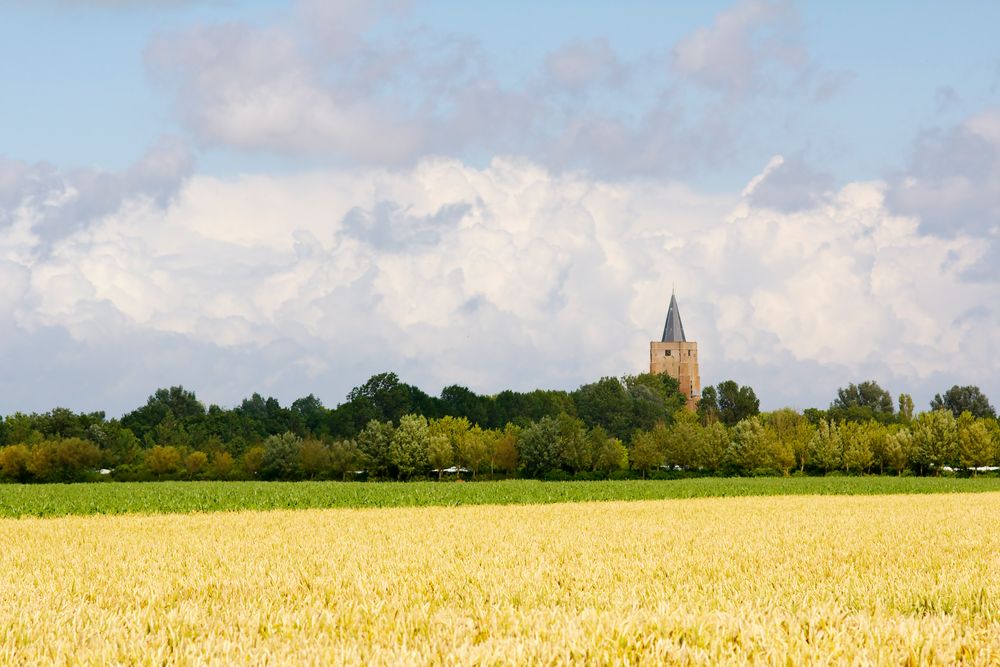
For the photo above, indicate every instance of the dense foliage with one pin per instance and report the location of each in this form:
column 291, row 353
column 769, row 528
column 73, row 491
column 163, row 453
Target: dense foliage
column 630, row 427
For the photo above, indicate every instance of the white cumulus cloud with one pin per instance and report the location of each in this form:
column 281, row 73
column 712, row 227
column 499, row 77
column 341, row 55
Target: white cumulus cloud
column 735, row 53
column 508, row 275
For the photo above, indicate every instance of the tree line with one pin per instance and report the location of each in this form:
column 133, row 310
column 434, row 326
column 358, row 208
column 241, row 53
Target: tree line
column 635, row 426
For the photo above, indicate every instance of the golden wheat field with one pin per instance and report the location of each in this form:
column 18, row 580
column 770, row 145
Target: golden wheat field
column 792, row 580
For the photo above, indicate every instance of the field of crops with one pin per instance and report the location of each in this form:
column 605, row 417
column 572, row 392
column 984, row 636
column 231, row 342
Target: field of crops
column 793, row 579
column 161, row 497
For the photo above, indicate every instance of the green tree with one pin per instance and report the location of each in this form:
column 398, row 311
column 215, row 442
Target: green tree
column 538, row 446
column 964, row 399
column 222, row 465
column 708, row 406
column 252, row 461
column 440, row 454
column 116, row 440
column 782, row 455
column 42, row 464
column 169, row 431
column 455, row 430
column 646, row 452
column 899, row 450
column 663, row 385
column 542, row 403
column 212, row 444
column 315, row 457
column 656, row 397
column 861, row 402
column 474, row 448
column 879, row 440
column 345, row 458
column 21, row 429
column 509, row 407
column 195, row 464
column 905, row 408
column 681, row 441
column 14, row 463
column 574, row 449
column 935, row 441
column 826, row 448
column 162, row 460
column 375, row 442
column 182, row 404
column 976, row 447
column 749, row 447
column 607, row 454
column 791, row 433
column 491, row 444
column 282, row 458
column 459, row 401
column 409, row 446
column 61, row 423
column 712, row 448
column 260, row 417
column 389, row 399
column 505, row 455
column 605, row 403
column 993, row 425
column 736, row 403
column 856, row 440
column 310, row 414
column 64, row 460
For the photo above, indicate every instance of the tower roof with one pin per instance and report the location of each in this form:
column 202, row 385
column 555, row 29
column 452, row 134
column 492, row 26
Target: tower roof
column 673, row 330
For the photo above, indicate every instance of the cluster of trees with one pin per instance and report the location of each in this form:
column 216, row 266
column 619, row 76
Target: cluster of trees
column 785, row 441
column 386, row 429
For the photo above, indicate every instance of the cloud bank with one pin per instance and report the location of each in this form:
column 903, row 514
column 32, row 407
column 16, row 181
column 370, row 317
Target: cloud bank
column 359, row 83
column 510, row 275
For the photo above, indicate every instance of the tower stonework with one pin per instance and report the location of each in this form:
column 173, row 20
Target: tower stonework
column 677, row 356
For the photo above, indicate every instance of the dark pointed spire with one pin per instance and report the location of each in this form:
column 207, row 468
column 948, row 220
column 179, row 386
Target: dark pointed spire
column 673, row 330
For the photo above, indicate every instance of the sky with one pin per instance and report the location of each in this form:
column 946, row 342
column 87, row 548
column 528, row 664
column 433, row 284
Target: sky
column 289, row 197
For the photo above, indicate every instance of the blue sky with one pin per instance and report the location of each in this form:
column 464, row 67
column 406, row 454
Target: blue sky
column 638, row 145
column 78, row 91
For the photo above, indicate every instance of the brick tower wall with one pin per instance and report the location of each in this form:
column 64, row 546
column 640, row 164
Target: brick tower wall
column 679, row 359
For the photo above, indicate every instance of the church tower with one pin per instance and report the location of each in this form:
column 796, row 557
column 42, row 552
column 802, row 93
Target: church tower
column 676, row 356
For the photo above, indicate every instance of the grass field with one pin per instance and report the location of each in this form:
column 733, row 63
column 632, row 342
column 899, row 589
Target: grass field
column 181, row 497
column 775, row 580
